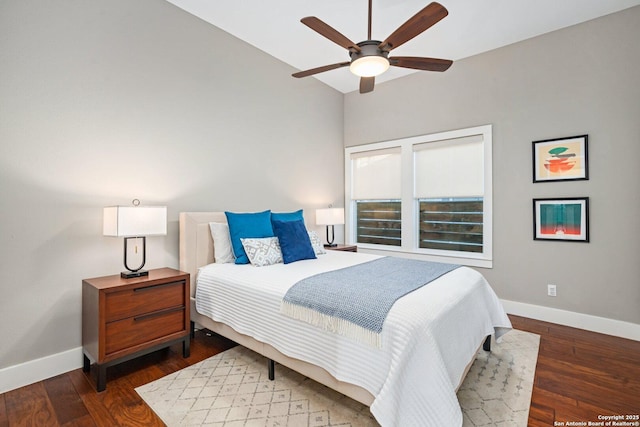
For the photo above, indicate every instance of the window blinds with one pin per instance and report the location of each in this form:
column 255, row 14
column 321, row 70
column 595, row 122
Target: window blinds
column 376, row 174
column 450, row 168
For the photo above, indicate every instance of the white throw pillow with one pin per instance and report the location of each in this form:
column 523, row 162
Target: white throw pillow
column 262, row 251
column 223, row 251
column 316, row 243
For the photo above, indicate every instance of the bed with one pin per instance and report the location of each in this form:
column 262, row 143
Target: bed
column 411, row 380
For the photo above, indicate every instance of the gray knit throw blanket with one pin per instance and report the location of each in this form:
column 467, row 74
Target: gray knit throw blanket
column 354, row 301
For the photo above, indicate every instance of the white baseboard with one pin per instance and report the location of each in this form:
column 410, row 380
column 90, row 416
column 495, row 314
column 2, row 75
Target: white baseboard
column 602, row 325
column 26, row 373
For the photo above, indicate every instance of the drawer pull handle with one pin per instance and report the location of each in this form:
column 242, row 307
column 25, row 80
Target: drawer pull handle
column 152, row 287
column 157, row 313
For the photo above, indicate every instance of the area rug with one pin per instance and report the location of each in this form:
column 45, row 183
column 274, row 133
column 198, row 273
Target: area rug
column 232, row 389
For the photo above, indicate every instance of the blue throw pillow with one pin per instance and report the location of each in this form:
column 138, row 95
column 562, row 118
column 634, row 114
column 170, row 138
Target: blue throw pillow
column 294, row 240
column 287, row 216
column 247, row 225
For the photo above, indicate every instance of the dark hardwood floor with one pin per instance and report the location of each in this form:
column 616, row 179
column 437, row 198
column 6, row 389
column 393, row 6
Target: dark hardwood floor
column 70, row 399
column 579, row 376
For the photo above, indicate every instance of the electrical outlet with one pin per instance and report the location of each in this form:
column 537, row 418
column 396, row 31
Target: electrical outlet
column 551, row 290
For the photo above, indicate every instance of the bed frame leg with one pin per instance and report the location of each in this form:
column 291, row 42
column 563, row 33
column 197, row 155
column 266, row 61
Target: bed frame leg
column 193, row 330
column 487, row 344
column 272, row 369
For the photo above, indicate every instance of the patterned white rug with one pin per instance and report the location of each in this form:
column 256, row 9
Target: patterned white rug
column 497, row 389
column 232, row 389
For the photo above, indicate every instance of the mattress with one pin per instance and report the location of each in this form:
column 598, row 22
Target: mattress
column 428, row 338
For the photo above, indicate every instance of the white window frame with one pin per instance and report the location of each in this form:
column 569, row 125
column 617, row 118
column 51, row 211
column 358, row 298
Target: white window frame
column 410, row 209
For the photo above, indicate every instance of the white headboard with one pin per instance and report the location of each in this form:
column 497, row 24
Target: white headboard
column 196, row 244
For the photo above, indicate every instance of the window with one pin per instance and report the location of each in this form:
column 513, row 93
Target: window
column 376, row 191
column 428, row 195
column 378, row 222
column 451, row 224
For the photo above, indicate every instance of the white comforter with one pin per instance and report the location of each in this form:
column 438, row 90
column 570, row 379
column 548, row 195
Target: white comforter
column 428, row 338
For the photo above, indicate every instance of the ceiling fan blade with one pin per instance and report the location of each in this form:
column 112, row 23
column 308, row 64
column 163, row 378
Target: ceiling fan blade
column 329, row 32
column 417, row 63
column 367, row 84
column 422, row 20
column 320, row 69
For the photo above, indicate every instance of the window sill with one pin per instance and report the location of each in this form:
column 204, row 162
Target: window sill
column 392, row 251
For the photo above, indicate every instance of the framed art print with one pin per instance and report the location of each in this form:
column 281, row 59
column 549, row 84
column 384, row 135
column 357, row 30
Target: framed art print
column 563, row 219
column 560, row 159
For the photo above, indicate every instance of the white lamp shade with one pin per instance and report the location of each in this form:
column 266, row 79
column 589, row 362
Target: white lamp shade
column 135, row 221
column 330, row 216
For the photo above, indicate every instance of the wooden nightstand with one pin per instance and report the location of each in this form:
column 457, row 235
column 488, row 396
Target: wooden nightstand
column 345, row 248
column 126, row 318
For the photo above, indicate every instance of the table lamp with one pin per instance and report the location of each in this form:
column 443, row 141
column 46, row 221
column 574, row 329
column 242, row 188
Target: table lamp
column 330, row 217
column 135, row 222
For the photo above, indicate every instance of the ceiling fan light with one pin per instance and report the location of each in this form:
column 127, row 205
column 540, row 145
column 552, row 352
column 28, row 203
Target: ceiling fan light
column 369, row 66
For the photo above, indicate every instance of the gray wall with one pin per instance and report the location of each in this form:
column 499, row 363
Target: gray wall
column 103, row 101
column 582, row 79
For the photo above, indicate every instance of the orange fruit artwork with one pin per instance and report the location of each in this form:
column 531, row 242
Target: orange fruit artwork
column 560, row 161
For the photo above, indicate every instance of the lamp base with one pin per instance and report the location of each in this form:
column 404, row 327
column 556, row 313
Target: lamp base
column 330, row 243
column 132, row 274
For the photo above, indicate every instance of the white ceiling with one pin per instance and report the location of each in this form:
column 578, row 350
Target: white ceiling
column 472, row 27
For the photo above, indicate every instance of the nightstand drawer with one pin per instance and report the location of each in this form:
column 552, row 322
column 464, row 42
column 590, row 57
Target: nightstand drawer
column 144, row 299
column 141, row 329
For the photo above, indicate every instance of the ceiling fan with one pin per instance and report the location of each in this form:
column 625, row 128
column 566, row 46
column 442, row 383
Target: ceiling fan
column 371, row 58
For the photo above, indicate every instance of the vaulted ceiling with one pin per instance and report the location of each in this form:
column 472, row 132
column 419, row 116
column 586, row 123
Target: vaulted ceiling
column 472, row 27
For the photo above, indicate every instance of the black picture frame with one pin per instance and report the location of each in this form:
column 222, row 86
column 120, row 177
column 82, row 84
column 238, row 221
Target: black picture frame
column 562, row 219
column 561, row 159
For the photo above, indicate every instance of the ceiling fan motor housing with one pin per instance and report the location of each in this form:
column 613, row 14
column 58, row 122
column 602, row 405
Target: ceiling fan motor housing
column 370, row 61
